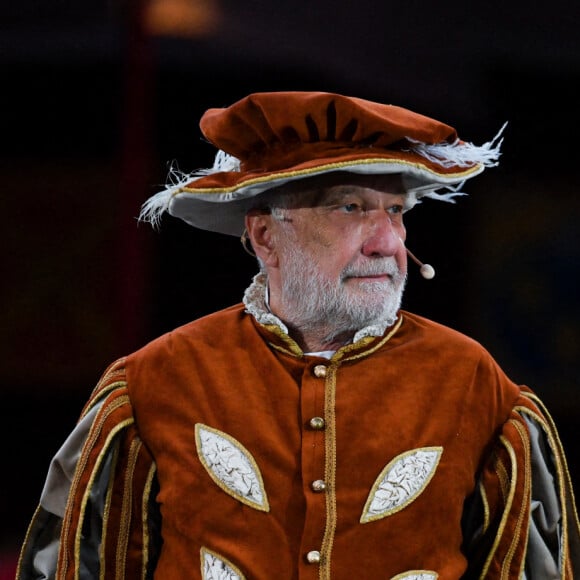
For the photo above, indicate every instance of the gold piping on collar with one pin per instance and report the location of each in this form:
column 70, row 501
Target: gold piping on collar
column 342, row 354
column 291, row 344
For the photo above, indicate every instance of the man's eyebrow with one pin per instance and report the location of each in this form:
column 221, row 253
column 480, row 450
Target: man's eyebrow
column 337, row 194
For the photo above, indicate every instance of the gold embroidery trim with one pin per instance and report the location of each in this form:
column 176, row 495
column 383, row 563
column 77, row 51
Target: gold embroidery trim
column 343, row 353
column 145, row 514
column 508, row 504
column 275, row 176
column 107, row 511
column 126, row 511
column 291, row 345
column 526, row 495
column 115, row 370
column 81, row 466
column 502, row 475
column 485, row 502
column 26, row 542
column 103, row 394
column 329, row 471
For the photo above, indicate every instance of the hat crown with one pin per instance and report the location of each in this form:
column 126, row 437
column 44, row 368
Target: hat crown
column 277, row 129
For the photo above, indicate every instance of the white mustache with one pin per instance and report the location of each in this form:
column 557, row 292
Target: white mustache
column 377, row 267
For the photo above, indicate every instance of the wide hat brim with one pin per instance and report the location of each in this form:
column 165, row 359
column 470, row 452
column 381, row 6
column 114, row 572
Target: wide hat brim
column 219, row 202
column 271, row 139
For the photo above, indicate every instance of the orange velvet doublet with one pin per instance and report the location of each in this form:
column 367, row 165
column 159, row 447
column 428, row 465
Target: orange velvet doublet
column 267, row 464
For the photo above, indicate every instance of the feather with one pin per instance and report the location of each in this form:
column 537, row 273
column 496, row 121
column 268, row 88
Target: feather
column 155, row 206
column 223, row 162
column 461, row 153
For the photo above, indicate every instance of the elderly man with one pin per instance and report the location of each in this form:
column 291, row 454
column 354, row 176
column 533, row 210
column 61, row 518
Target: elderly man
column 316, row 430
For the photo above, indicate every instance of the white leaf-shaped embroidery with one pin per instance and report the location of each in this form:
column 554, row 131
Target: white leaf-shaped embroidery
column 401, row 482
column 231, row 466
column 216, row 567
column 416, row 575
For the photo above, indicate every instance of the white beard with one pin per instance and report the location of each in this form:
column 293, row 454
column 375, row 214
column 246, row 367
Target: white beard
column 314, row 301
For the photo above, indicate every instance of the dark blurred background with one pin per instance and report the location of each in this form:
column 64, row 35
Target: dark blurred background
column 98, row 98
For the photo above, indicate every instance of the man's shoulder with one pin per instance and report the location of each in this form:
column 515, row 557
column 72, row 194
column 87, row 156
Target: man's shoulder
column 211, row 328
column 454, row 352
column 437, row 332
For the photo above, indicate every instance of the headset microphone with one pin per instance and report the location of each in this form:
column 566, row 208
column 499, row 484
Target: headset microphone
column 427, row 271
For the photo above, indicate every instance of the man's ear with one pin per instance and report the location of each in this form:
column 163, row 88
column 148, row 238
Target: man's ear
column 259, row 227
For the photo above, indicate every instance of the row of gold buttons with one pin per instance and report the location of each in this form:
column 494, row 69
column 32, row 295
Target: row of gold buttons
column 318, row 486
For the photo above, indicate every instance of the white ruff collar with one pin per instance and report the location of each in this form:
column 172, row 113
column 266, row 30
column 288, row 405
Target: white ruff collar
column 255, row 300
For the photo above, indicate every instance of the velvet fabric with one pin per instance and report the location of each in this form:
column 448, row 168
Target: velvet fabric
column 421, row 386
column 258, row 123
column 308, row 133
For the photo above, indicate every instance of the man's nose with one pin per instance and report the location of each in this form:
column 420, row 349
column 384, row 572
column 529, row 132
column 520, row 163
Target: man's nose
column 384, row 237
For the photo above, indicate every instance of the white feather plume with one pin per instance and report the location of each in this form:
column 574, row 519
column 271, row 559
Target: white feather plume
column 223, row 162
column 461, row 153
column 448, row 196
column 155, row 206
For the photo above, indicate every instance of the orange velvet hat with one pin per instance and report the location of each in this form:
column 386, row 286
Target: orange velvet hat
column 266, row 140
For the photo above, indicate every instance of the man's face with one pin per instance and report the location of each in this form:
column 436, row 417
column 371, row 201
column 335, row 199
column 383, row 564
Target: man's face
column 341, row 255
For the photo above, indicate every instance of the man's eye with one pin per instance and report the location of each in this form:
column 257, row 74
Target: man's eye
column 350, row 207
column 395, row 209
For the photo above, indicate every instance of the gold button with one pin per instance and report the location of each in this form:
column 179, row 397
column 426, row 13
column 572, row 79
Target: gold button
column 316, row 423
column 318, row 485
column 313, row 557
column 320, row 371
